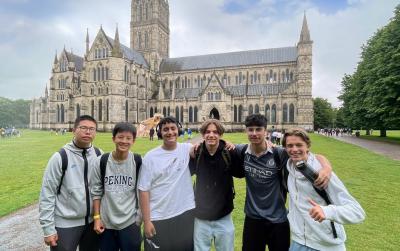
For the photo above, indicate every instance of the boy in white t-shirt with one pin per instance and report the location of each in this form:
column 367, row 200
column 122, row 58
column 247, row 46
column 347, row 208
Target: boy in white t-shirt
column 166, row 192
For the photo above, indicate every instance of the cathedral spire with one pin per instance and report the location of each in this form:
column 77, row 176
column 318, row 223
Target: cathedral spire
column 116, row 51
column 46, row 92
column 55, row 58
column 87, row 41
column 305, row 33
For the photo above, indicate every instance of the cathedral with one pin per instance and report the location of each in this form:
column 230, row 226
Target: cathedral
column 113, row 82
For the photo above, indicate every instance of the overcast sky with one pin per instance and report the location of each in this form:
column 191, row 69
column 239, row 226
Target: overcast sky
column 33, row 30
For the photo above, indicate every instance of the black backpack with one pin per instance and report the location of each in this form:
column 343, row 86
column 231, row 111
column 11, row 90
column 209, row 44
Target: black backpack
column 64, row 165
column 103, row 166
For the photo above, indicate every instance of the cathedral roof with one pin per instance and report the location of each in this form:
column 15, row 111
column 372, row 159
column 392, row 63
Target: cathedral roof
column 76, row 59
column 230, row 59
column 235, row 91
column 130, row 54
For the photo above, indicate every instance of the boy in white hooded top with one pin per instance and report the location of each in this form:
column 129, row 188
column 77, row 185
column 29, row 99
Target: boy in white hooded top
column 309, row 215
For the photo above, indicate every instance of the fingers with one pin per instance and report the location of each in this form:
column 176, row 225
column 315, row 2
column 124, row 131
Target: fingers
column 322, row 181
column 313, row 203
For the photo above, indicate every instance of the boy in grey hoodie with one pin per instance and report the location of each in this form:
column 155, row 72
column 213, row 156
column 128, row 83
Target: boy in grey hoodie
column 65, row 202
column 314, row 224
column 115, row 205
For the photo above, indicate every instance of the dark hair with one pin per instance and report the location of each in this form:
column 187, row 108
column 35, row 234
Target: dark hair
column 217, row 123
column 82, row 118
column 124, row 127
column 167, row 120
column 256, row 120
column 299, row 132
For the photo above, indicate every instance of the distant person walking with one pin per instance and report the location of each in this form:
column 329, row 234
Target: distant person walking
column 151, row 133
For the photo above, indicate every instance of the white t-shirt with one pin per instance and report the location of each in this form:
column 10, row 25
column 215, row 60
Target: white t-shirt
column 166, row 176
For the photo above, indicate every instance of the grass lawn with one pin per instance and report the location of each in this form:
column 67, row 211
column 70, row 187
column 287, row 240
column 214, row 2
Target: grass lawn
column 371, row 178
column 391, row 136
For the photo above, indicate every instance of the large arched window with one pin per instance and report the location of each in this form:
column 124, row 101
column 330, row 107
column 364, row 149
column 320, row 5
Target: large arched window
column 235, row 113
column 58, row 113
column 164, row 111
column 195, row 114
column 285, row 113
column 100, row 110
column 256, row 109
column 291, row 113
column 240, row 112
column 78, row 110
column 190, row 114
column 250, row 109
column 169, row 111
column 151, row 112
column 268, row 113
column 273, row 114
column 126, row 110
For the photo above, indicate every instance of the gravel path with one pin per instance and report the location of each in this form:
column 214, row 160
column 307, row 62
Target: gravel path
column 390, row 150
column 21, row 231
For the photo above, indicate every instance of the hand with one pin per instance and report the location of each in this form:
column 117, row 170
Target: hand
column 270, row 144
column 196, row 147
column 98, row 226
column 149, row 229
column 229, row 146
column 323, row 178
column 316, row 211
column 51, row 240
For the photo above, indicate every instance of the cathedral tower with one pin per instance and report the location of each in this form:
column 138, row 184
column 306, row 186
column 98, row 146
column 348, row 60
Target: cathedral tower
column 150, row 30
column 304, row 78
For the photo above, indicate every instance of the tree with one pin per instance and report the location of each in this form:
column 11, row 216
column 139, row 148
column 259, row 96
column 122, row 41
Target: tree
column 323, row 114
column 14, row 113
column 371, row 96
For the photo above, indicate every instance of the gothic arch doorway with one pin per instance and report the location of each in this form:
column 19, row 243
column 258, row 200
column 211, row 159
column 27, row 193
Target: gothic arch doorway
column 214, row 114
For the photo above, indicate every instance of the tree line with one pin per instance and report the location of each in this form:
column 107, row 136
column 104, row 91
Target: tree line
column 14, row 113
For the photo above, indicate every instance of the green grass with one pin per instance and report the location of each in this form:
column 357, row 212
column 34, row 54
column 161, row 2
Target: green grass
column 372, row 179
column 391, row 136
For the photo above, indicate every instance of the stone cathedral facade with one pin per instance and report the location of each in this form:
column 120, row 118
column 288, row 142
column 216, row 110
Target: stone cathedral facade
column 114, row 83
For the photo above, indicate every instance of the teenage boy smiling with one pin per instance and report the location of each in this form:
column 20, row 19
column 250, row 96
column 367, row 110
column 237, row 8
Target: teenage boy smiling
column 115, row 205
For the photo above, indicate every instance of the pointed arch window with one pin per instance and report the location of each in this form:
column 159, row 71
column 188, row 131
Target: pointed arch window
column 108, row 110
column 126, row 110
column 62, row 113
column 235, row 117
column 256, row 109
column 151, row 112
column 190, row 114
column 285, row 113
column 94, row 74
column 164, row 111
column 240, row 113
column 78, row 110
column 146, row 40
column 181, row 116
column 92, row 108
column 291, row 113
column 250, row 109
column 58, row 113
column 273, row 114
column 169, row 111
column 195, row 114
column 177, row 113
column 268, row 113
column 100, row 116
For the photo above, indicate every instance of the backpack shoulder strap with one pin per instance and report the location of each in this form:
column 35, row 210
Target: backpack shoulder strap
column 227, row 157
column 64, row 165
column 97, row 150
column 138, row 162
column 103, row 166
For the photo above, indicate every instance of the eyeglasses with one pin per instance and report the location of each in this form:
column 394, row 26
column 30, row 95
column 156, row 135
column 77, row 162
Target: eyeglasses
column 87, row 129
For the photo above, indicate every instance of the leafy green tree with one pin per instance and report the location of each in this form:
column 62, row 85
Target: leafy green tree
column 323, row 114
column 14, row 113
column 371, row 96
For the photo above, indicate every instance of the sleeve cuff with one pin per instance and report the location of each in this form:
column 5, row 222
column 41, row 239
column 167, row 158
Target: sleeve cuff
column 48, row 231
column 329, row 212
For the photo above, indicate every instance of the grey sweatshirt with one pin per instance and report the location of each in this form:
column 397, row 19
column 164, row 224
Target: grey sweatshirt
column 118, row 201
column 71, row 207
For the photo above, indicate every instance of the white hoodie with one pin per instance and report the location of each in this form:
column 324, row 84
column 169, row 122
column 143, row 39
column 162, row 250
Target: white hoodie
column 343, row 210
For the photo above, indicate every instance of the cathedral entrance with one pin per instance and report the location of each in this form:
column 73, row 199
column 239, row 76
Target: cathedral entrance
column 214, row 114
